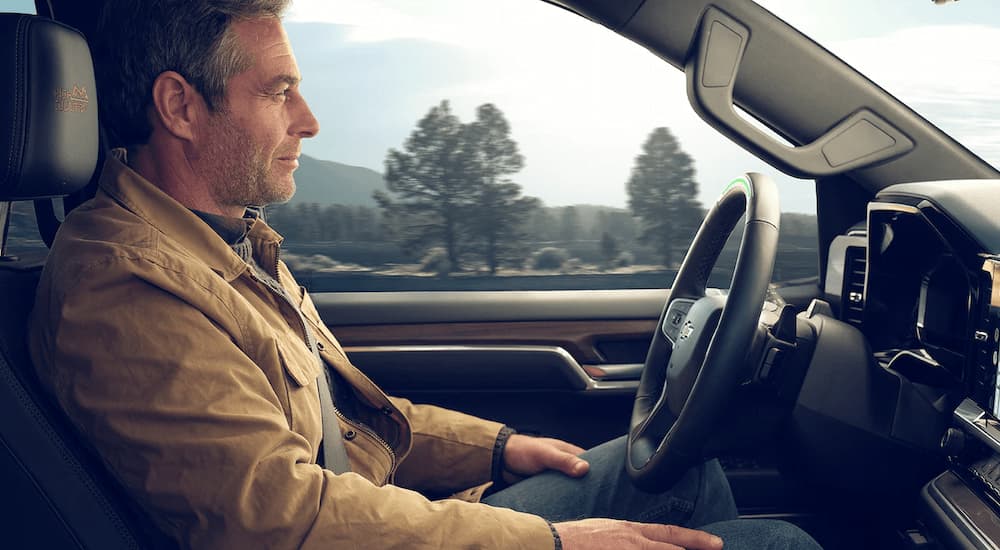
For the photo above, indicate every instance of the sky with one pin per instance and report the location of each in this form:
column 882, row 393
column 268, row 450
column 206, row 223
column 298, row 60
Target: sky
column 581, row 100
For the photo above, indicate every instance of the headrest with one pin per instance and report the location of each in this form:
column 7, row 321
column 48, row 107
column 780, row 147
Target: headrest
column 48, row 109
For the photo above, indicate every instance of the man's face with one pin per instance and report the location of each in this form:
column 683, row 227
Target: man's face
column 250, row 147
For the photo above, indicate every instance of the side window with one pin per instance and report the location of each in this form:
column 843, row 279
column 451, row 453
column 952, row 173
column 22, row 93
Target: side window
column 19, row 6
column 453, row 157
column 23, row 237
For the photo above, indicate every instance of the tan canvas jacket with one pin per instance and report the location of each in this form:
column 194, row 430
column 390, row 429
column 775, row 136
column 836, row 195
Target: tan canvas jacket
column 193, row 382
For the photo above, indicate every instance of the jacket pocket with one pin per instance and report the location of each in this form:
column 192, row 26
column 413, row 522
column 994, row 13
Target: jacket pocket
column 303, row 409
column 301, row 364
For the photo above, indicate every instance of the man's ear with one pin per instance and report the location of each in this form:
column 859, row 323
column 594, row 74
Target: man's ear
column 176, row 105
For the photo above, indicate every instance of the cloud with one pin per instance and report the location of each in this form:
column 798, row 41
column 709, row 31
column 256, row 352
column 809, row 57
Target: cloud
column 950, row 74
column 472, row 25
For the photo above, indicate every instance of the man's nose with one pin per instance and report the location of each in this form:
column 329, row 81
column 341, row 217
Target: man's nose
column 305, row 124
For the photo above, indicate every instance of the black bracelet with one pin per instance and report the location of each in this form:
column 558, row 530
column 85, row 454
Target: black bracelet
column 555, row 535
column 496, row 468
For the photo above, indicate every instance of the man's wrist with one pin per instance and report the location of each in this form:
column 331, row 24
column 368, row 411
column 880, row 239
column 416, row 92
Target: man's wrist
column 497, row 466
column 555, row 535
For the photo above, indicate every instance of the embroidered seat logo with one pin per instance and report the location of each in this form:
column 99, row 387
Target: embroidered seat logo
column 72, row 101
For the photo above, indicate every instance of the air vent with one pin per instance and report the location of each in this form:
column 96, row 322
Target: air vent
column 853, row 296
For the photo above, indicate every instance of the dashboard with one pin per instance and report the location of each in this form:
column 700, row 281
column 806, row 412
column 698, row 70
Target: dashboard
column 921, row 280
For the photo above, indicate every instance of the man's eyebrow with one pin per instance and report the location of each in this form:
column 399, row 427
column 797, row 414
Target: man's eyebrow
column 291, row 80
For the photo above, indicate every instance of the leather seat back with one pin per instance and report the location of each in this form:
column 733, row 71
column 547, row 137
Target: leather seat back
column 55, row 493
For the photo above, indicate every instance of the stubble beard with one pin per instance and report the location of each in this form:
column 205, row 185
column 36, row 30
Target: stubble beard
column 240, row 174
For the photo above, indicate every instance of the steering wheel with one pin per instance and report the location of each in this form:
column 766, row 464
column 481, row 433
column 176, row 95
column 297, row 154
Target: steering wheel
column 698, row 355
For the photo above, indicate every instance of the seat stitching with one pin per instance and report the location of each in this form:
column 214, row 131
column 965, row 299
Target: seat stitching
column 82, row 475
column 18, row 61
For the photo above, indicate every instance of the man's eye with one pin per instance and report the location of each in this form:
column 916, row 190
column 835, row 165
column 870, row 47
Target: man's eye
column 282, row 94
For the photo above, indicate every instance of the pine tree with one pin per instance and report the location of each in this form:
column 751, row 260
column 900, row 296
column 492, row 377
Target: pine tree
column 450, row 187
column 662, row 192
column 609, row 249
column 569, row 225
column 433, row 192
column 500, row 212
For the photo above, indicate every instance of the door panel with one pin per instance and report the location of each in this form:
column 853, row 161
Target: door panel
column 586, row 341
column 379, row 308
column 560, row 363
column 557, row 363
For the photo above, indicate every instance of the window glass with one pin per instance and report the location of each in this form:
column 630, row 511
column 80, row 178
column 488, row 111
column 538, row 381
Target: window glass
column 463, row 147
column 23, row 238
column 19, row 6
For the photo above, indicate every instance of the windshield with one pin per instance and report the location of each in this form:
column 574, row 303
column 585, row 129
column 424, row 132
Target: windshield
column 938, row 59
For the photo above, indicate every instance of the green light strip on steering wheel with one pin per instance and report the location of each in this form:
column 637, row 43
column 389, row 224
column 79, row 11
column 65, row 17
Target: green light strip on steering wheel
column 740, row 181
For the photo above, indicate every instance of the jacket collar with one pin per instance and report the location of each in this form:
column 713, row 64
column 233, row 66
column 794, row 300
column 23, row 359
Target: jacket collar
column 144, row 199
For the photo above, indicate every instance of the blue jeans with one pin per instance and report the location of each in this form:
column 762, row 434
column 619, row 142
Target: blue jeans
column 701, row 499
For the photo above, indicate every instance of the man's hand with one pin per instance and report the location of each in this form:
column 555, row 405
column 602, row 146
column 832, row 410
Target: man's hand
column 626, row 535
column 526, row 456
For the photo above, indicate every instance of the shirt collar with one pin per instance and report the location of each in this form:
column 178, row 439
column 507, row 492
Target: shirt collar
column 232, row 230
column 161, row 211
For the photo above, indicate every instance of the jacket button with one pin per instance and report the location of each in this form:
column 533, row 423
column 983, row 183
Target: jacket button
column 350, row 435
column 320, row 346
column 387, row 411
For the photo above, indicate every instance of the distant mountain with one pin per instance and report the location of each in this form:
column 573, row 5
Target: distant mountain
column 327, row 182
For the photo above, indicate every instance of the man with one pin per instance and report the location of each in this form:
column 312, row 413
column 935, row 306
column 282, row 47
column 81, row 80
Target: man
column 181, row 346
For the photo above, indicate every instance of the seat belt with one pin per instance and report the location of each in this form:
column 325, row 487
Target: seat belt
column 334, row 453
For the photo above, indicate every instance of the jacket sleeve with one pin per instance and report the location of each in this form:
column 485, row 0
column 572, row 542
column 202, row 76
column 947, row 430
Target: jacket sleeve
column 451, row 451
column 196, row 433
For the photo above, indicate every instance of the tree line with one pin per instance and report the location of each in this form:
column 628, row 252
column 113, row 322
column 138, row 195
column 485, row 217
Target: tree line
column 450, row 188
column 450, row 191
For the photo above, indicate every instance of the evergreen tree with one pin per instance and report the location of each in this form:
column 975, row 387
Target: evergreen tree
column 569, row 225
column 450, row 187
column 500, row 212
column 543, row 225
column 662, row 192
column 433, row 193
column 609, row 249
column 332, row 228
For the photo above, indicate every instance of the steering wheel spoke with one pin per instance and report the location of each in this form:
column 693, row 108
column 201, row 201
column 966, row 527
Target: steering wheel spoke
column 698, row 355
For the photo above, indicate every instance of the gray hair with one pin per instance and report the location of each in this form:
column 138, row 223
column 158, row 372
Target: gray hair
column 140, row 39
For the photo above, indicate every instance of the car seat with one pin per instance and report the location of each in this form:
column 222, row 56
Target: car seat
column 56, row 493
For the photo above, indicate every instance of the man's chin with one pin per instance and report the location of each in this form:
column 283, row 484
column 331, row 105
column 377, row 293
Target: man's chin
column 282, row 192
